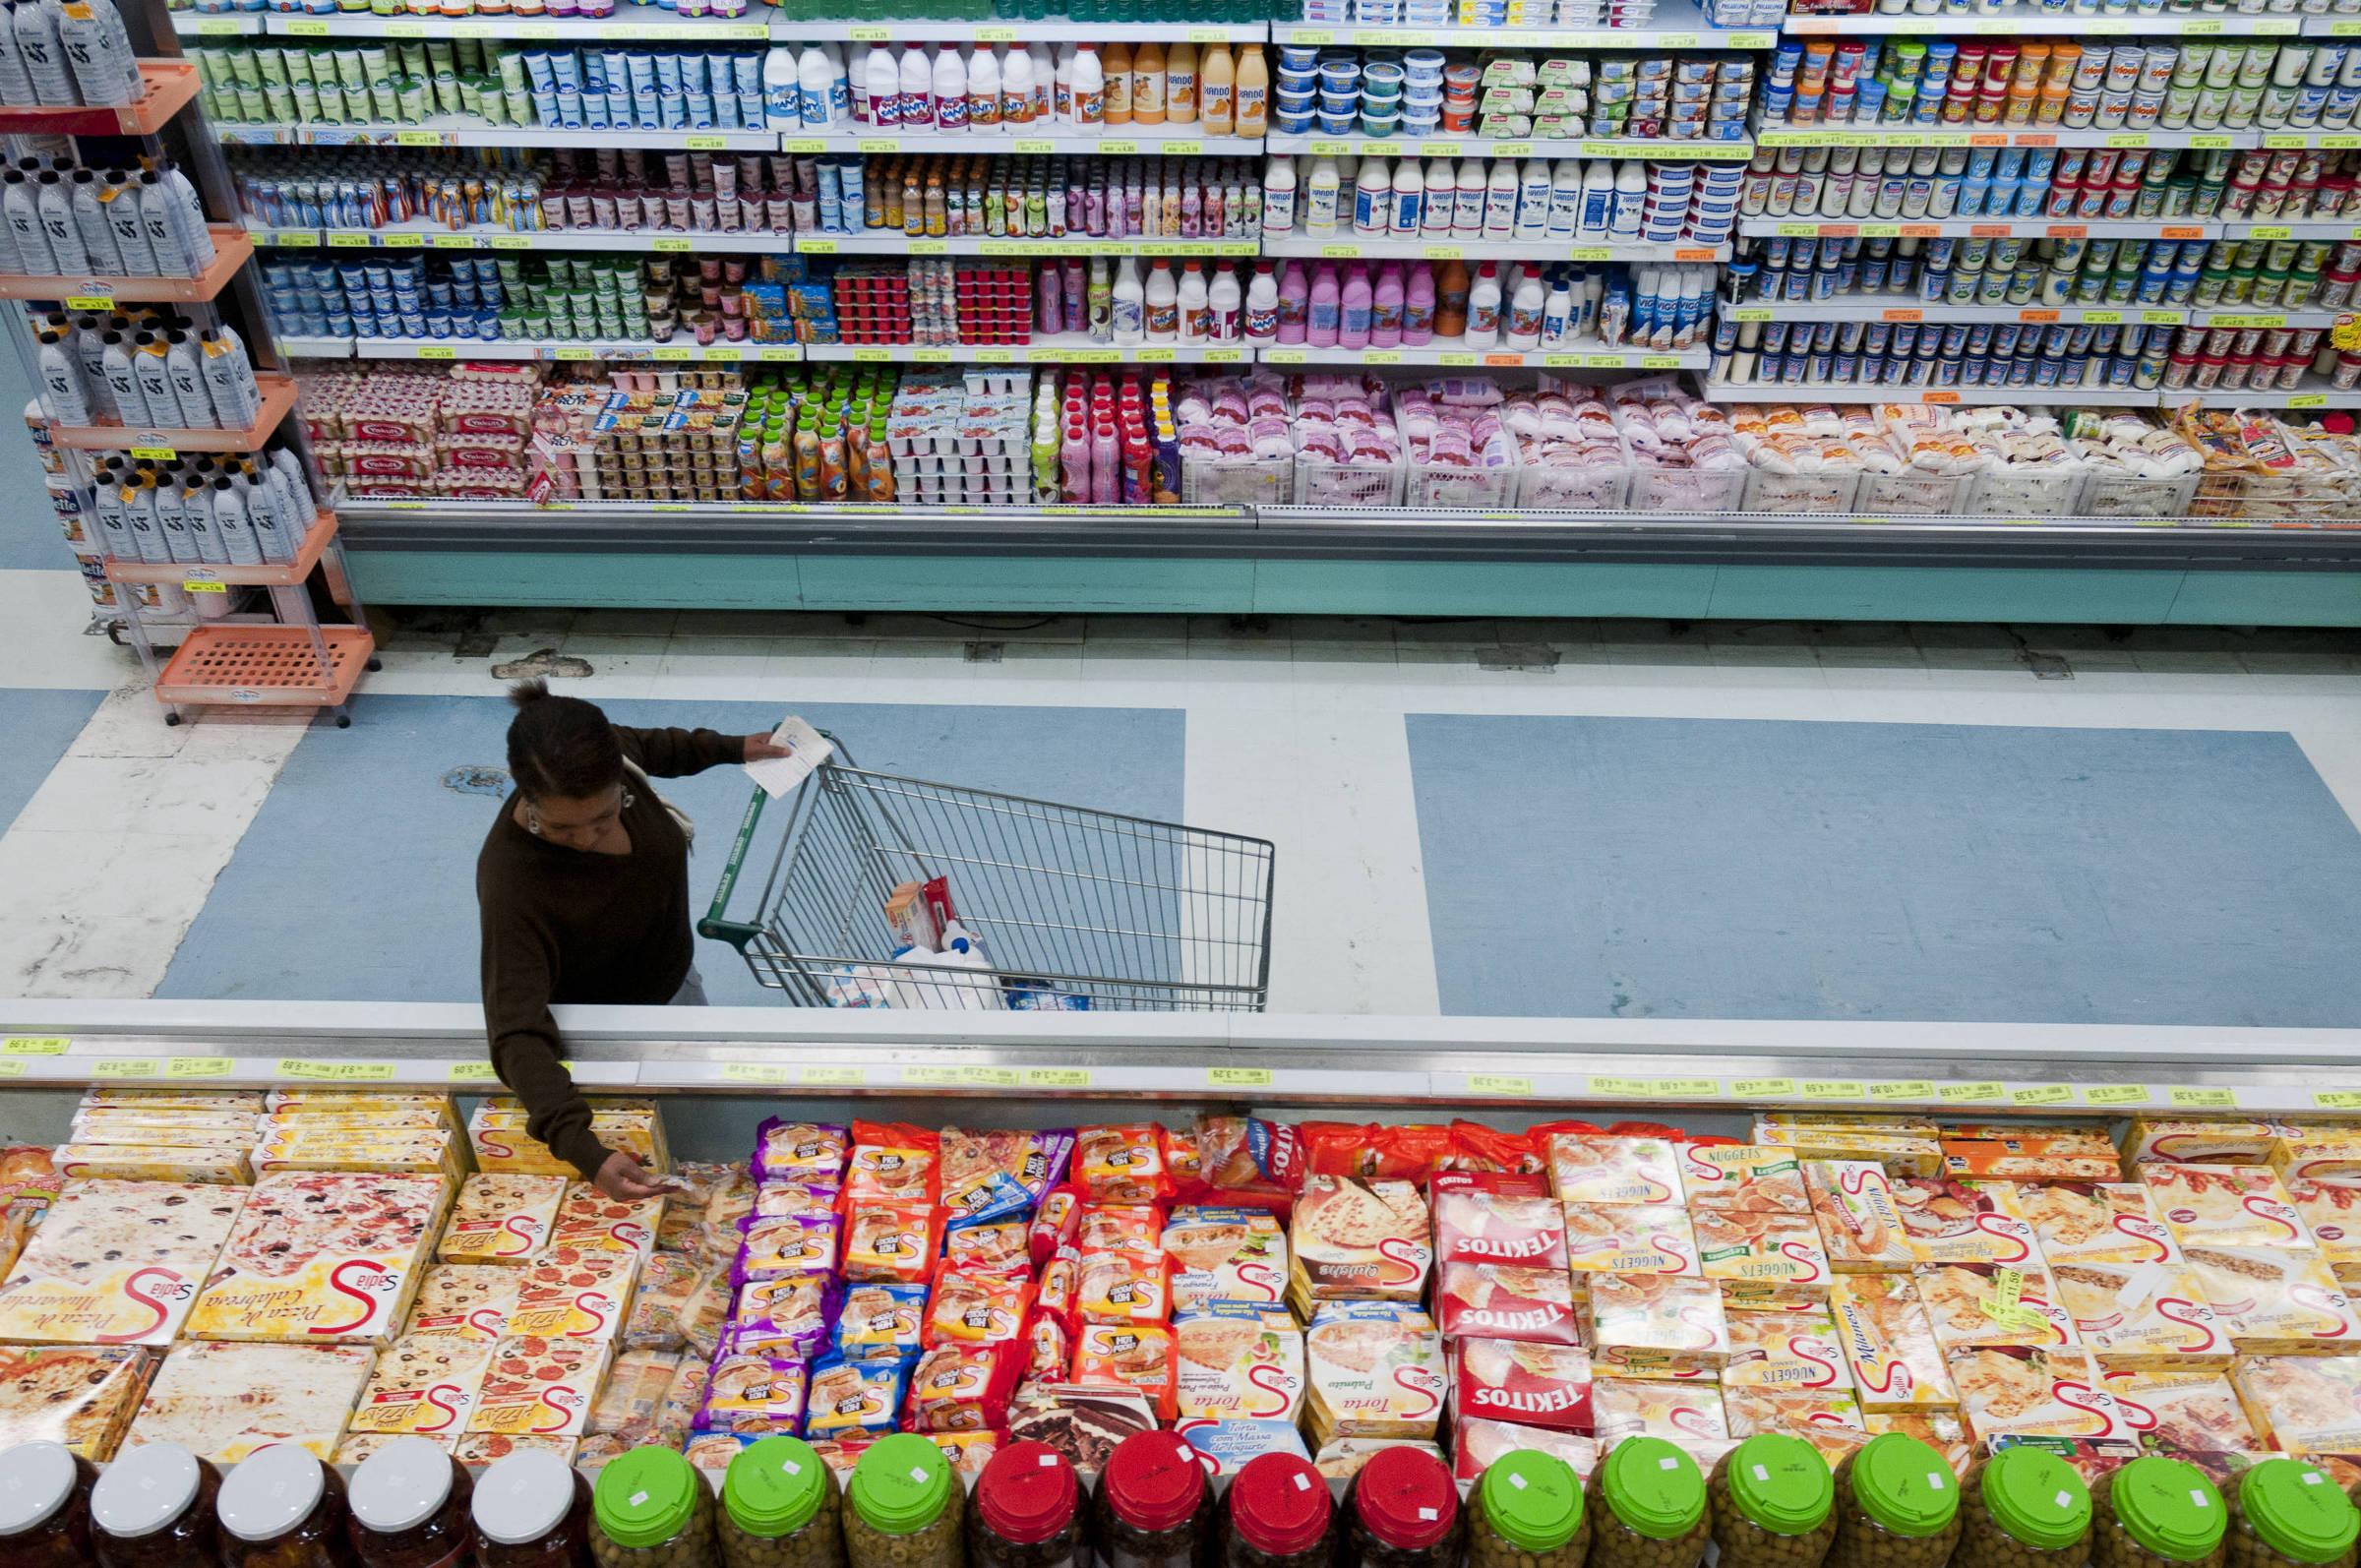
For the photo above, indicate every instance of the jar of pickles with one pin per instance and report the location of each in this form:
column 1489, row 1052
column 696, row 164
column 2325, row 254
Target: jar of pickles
column 652, row 1509
column 45, row 1507
column 1403, row 1512
column 281, row 1508
column 779, row 1509
column 1278, row 1515
column 154, row 1508
column 2288, row 1514
column 1525, row 1512
column 1154, row 1509
column 1027, row 1511
column 410, row 1507
column 1647, row 1507
column 531, row 1510
column 903, row 1507
column 1774, row 1503
column 1897, row 1506
column 2024, row 1508
column 2157, row 1513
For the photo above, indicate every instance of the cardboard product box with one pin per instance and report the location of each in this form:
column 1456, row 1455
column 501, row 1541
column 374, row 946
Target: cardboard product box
column 1960, row 1222
column 2274, row 1302
column 1642, row 1325
column 2302, row 1404
column 1763, row 1247
column 1628, row 1239
column 2141, row 1315
column 1785, row 1352
column 1587, row 1168
column 1861, row 1225
column 1889, row 1345
column 2178, row 1411
column 1971, row 1304
column 2096, row 1222
column 2022, row 1390
column 2225, row 1206
column 1689, row 1415
column 2178, row 1140
column 1744, row 1176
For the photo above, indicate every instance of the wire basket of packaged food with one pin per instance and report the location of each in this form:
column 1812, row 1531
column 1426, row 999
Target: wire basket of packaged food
column 2257, row 466
column 1570, row 457
column 2139, row 465
column 1682, row 455
column 1460, row 453
column 2030, row 471
column 1348, row 448
column 1801, row 458
column 1235, row 446
column 886, row 891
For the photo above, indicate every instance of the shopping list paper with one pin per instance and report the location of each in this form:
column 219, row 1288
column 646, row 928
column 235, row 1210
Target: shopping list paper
column 807, row 749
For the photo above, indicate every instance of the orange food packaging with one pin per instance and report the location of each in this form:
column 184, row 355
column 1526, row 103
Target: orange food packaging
column 1135, row 1355
column 893, row 1162
column 1123, row 1163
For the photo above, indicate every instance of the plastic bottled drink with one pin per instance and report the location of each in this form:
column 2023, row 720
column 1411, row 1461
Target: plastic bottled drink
column 1418, row 306
column 1441, row 203
column 1181, row 85
column 1163, row 300
column 186, row 366
column 24, row 230
column 35, row 23
column 1293, row 304
column 57, row 224
column 1631, row 198
column 1129, row 304
column 1251, row 96
column 119, row 203
column 1355, row 303
column 1090, row 87
column 1044, row 71
column 884, row 88
column 1566, row 199
column 106, row 506
column 195, row 237
column 1597, row 200
column 1196, row 302
column 1504, row 211
column 1321, row 196
column 99, row 52
column 1466, row 207
column 1016, row 89
column 1484, row 307
column 16, row 86
column 1116, row 66
column 1279, row 195
column 1147, row 84
column 90, row 225
column 950, row 90
column 983, row 88
column 234, row 528
column 1558, row 315
column 1227, row 301
column 1409, row 197
column 840, row 88
column 160, row 217
column 172, row 519
column 1216, row 90
column 154, row 374
column 1326, row 318
column 1385, row 308
column 914, row 89
column 62, row 393
column 228, row 378
column 123, row 383
column 197, row 522
column 139, row 515
column 1522, row 327
column 1373, row 198
column 1061, row 86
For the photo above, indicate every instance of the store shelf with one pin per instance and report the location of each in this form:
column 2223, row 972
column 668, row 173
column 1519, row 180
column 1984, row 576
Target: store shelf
column 1674, row 24
column 704, row 242
column 203, row 24
column 1347, row 248
column 1844, row 228
column 1909, row 308
column 231, row 248
column 1115, row 141
column 1049, row 30
column 538, row 349
column 1771, row 136
column 1629, row 146
column 1062, row 349
column 2033, row 23
column 265, row 666
column 628, row 23
column 278, row 397
column 280, row 573
column 439, row 132
column 171, row 84
column 2313, row 393
column 890, row 242
column 1866, row 393
column 1594, row 356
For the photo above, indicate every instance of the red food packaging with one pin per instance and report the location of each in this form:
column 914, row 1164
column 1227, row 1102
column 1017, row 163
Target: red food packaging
column 893, row 1162
column 1059, row 1288
column 1182, row 1158
column 1373, row 1153
column 1121, row 1227
column 1056, row 1224
column 887, row 1242
column 963, row 1388
column 1000, row 1248
column 1532, row 1385
column 1120, row 1285
column 1483, row 1148
column 1497, row 1218
column 975, row 1306
column 1135, row 1356
column 1122, row 1164
column 1247, row 1160
column 1050, row 1349
column 1502, row 1301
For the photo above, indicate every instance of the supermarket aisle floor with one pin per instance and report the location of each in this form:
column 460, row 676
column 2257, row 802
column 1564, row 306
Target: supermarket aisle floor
column 30, row 540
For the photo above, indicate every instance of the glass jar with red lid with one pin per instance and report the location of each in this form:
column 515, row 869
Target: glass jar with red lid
column 1404, row 1512
column 1154, row 1509
column 1028, row 1511
column 1278, row 1515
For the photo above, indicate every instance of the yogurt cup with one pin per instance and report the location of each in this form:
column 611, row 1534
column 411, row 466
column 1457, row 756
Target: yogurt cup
column 1375, row 122
column 1333, row 122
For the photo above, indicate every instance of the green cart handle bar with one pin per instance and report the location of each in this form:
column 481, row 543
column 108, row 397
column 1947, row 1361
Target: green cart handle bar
column 716, row 925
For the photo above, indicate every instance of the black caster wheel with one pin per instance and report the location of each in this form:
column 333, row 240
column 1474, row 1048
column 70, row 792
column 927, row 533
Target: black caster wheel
column 172, row 718
column 343, row 721
column 375, row 664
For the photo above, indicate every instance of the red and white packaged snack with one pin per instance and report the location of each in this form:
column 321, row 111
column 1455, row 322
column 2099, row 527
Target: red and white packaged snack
column 1478, row 1445
column 999, row 1248
column 1121, row 1227
column 1247, row 1160
column 1059, row 1288
column 973, row 1306
column 1498, row 1219
column 1056, row 1224
column 1495, row 1301
column 893, row 1162
column 1183, row 1159
column 1124, row 1287
column 1123, row 1163
column 886, row 1243
column 963, row 1388
column 1532, row 1385
column 1135, row 1356
column 1049, row 1349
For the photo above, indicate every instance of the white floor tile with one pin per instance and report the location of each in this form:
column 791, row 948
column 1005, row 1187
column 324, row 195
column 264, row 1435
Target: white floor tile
column 43, row 640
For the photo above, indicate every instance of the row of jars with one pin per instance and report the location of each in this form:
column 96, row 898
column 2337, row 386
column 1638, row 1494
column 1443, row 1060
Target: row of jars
column 1770, row 1502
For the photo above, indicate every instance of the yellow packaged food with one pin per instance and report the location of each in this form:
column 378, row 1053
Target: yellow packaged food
column 117, row 1262
column 1239, row 1361
column 469, row 1299
column 1831, row 1423
column 1359, row 1240
column 1593, row 1167
column 1861, row 1224
column 1645, row 1324
column 2176, row 1140
column 2056, row 1137
column 1891, row 1123
column 2178, row 1411
column 2029, row 1391
column 2302, row 1404
column 2318, row 1160
column 222, row 1402
column 567, row 1294
column 1744, row 1176
column 423, row 1384
column 1887, row 1343
column 590, row 1220
column 2097, row 1222
column 540, row 1388
column 1964, row 1222
column 2141, row 1315
column 322, row 1256
column 1373, row 1369
column 1763, row 1247
column 419, row 1152
column 1629, row 1239
column 500, row 1216
column 2275, row 1302
column 2026, row 1158
column 1900, row 1155
column 2332, row 1212
column 1689, row 1415
column 1969, row 1304
column 1791, row 1352
column 149, row 1162
column 79, row 1396
column 2225, row 1205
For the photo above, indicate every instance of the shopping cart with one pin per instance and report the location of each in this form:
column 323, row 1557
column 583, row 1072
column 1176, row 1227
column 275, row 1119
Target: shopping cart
column 1073, row 908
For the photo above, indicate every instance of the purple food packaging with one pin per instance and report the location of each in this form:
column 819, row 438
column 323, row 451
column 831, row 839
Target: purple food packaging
column 786, row 1243
column 801, row 1151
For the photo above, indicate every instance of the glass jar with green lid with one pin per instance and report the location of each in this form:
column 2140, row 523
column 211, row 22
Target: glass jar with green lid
column 1897, row 1506
column 2288, row 1514
column 779, row 1508
column 1525, row 1512
column 2157, row 1513
column 652, row 1509
column 1647, row 1506
column 1774, row 1503
column 2024, row 1508
column 903, row 1507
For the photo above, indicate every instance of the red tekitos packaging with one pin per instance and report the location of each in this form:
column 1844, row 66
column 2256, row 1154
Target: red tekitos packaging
column 893, row 1162
column 1123, row 1163
column 963, row 1388
column 1495, row 1301
column 1483, row 1148
column 1532, row 1385
column 1498, row 1219
column 1055, row 1225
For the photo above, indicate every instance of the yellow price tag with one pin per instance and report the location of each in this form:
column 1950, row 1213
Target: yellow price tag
column 933, row 1077
column 1344, row 252
column 570, row 353
column 1191, row 150
column 304, row 29
column 2336, row 1099
column 451, row 242
column 334, row 1072
column 1225, row 356
column 417, row 139
column 1118, row 149
column 1058, row 1077
column 512, row 242
column 2116, row 1094
column 868, row 34
column 1960, row 1093
column 1261, row 1079
column 2103, row 317
column 706, row 144
column 1455, row 358
column 9, row 1067
column 1903, row 1089
column 991, row 1077
column 756, row 1072
column 1285, row 356
column 438, row 351
column 97, row 302
column 472, row 1072
column 348, row 242
column 1593, row 253
column 1763, row 1088
column 996, row 34
column 836, row 1075
column 154, row 454
column 2185, row 1098
column 1033, row 143
column 33, row 1046
column 1381, row 356
column 1833, row 1089
column 2271, row 232
column 1444, row 253
column 2308, row 401
column 198, row 1067
column 2044, row 1094
column 1490, row 1083
column 1658, row 1088
column 881, row 144
column 807, row 245
column 216, row 28
column 123, row 1067
column 203, row 585
column 669, row 242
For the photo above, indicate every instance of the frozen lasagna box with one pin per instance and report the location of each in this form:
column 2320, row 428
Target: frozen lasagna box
column 1644, row 1325
column 2319, row 1159
column 1498, row 1219
column 2182, row 1410
column 1593, row 1167
column 2302, row 1404
column 2038, row 1391
column 1361, row 1240
column 1629, row 1239
column 1860, row 1223
column 2332, row 1212
column 1225, row 1254
column 1375, row 1370
column 471, row 1299
column 1969, row 1304
column 1889, row 1345
column 1239, row 1361
column 321, row 1255
column 2225, row 1205
column 1744, row 1176
column 424, row 1385
column 80, row 1396
column 2275, row 1302
column 2096, row 1222
column 2141, row 1315
column 1790, row 1351
column 501, row 1218
column 540, row 1388
column 2175, row 1141
column 117, row 1262
column 1960, row 1222
column 222, row 1402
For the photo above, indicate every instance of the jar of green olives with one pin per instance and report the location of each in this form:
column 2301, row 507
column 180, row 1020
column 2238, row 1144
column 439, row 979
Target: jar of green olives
column 1774, row 1503
column 1647, row 1506
column 652, row 1509
column 2157, row 1513
column 1525, row 1512
column 779, row 1508
column 2024, row 1508
column 45, row 1507
column 281, row 1508
column 904, row 1508
column 154, row 1508
column 2288, row 1514
column 1897, row 1506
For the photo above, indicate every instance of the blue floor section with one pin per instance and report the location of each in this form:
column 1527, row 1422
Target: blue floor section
column 357, row 880
column 38, row 726
column 1703, row 869
column 29, row 536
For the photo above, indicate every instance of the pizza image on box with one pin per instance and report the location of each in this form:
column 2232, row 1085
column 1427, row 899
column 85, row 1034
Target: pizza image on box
column 470, row 1299
column 589, row 1218
column 117, row 1262
column 321, row 1257
column 501, row 1218
column 80, row 1396
column 425, row 1385
column 540, row 1387
column 222, row 1402
column 568, row 1293
column 2098, row 1222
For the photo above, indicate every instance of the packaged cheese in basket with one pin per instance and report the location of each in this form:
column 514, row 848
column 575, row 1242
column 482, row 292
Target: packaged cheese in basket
column 1239, row 1361
column 117, row 1262
column 2225, row 1206
column 471, row 1299
column 1860, row 1223
column 424, row 1384
column 540, row 1387
column 80, row 1396
column 1785, row 1350
column 2049, row 1391
column 1512, row 1380
column 2302, row 1404
column 1492, row 1300
column 1744, row 1176
column 1689, row 1415
column 2182, row 1410
column 1593, row 1167
column 1971, row 1304
column 1644, row 1325
column 1359, row 1240
column 2270, row 1302
column 1629, row 1239
column 1225, row 1254
column 1498, row 1219
column 2141, row 1315
column 1375, row 1370
column 1887, row 1343
column 222, row 1402
column 322, row 1256
column 501, row 1218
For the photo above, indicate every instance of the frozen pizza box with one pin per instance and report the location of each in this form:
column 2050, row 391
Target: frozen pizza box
column 2171, row 1140
column 1494, row 1218
column 2332, row 1212
column 424, row 1384
column 1788, row 1352
column 117, row 1262
column 1375, row 1370
column 2097, row 1222
column 1939, row 1428
column 414, row 1153
column 1887, row 1343
column 1890, row 1123
column 570, row 1293
column 1512, row 1380
column 2302, row 1404
column 470, row 1299
column 2225, row 1205
column 1860, row 1223
column 540, row 1387
column 226, row 1166
column 1964, row 1222
column 501, row 1218
column 1225, row 1254
column 1689, row 1415
column 224, row 1401
column 1495, row 1301
column 2182, row 1410
column 80, row 1396
column 2042, row 1391
column 1831, row 1423
column 588, row 1219
column 1593, row 1167
column 1478, row 1445
column 2087, row 1138
column 1763, row 1247
column 322, row 1256
column 1628, row 1239
column 1239, row 1361
column 1356, row 1240
column 2272, row 1301
column 1744, row 1176
column 497, row 1133
column 2141, row 1315
column 490, row 1448
column 1971, row 1304
column 1645, row 1325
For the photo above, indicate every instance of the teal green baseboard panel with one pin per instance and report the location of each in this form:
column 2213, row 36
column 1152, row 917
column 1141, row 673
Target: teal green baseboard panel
column 1112, row 585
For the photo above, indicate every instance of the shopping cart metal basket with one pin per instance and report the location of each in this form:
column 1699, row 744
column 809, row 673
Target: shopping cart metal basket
column 1073, row 908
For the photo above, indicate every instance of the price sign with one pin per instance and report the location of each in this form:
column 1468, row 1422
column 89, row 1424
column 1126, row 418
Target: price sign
column 930, row 247
column 512, row 242
column 836, row 1075
column 2336, row 1099
column 1058, row 1077
column 1035, row 144
column 2185, row 1098
column 2103, row 317
column 2115, row 1094
column 1191, row 150
column 1763, row 1088
column 756, row 1072
column 123, row 1067
column 154, row 454
column 1490, row 1083
column 706, row 144
column 417, row 139
column 348, row 242
column 1340, row 252
column 1261, row 1079
column 1903, row 1089
column 1118, row 149
column 672, row 351
column 198, row 1067
column 1444, row 253
column 1968, row 1093
column 570, row 353
column 1381, row 356
column 97, row 302
column 991, row 1077
column 1939, row 397
column 1833, row 1089
column 33, row 1046
column 806, row 245
column 1593, row 253
column 1455, row 358
column 933, row 1077
column 1285, row 356
column 2044, row 1094
column 669, row 242
column 472, row 1072
column 2271, row 232
column 438, row 351
column 333, row 1071
column 1225, row 356
column 306, row 29
column 1438, row 149
column 881, row 144
column 2308, row 401
column 1657, row 1088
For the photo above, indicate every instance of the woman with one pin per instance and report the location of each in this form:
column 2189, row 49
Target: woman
column 584, row 886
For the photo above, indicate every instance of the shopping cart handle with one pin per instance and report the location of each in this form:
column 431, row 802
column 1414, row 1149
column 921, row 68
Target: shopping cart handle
column 715, row 925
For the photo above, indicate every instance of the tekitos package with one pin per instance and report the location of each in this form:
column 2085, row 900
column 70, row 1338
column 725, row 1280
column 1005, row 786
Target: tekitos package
column 1239, row 1361
column 1532, row 1385
column 1356, row 1239
column 1887, row 1343
column 1498, row 1219
column 1491, row 1300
